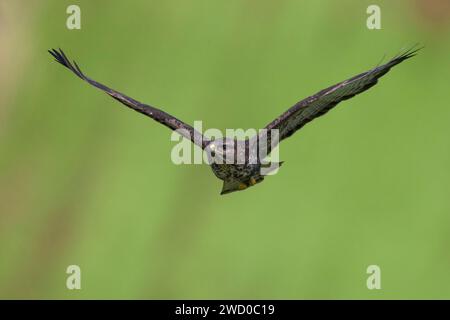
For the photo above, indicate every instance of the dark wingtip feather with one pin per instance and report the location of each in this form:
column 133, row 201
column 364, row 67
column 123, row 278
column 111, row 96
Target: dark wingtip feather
column 61, row 57
column 409, row 53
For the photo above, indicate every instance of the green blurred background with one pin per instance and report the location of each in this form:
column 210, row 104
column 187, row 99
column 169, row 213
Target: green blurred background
column 86, row 181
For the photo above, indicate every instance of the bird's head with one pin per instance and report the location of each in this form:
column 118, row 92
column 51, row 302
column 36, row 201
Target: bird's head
column 222, row 151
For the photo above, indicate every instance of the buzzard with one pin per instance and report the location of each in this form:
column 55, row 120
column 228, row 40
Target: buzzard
column 238, row 175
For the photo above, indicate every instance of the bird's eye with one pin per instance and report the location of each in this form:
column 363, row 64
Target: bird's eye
column 213, row 150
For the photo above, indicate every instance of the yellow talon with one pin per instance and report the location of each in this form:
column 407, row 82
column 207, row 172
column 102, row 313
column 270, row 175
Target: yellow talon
column 242, row 186
column 252, row 181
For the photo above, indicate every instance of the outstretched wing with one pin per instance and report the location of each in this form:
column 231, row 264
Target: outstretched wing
column 320, row 103
column 156, row 114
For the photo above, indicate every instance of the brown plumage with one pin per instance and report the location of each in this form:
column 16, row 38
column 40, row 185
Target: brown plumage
column 239, row 176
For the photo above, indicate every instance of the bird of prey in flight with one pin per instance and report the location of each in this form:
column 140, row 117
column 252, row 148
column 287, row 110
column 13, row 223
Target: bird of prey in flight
column 240, row 175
